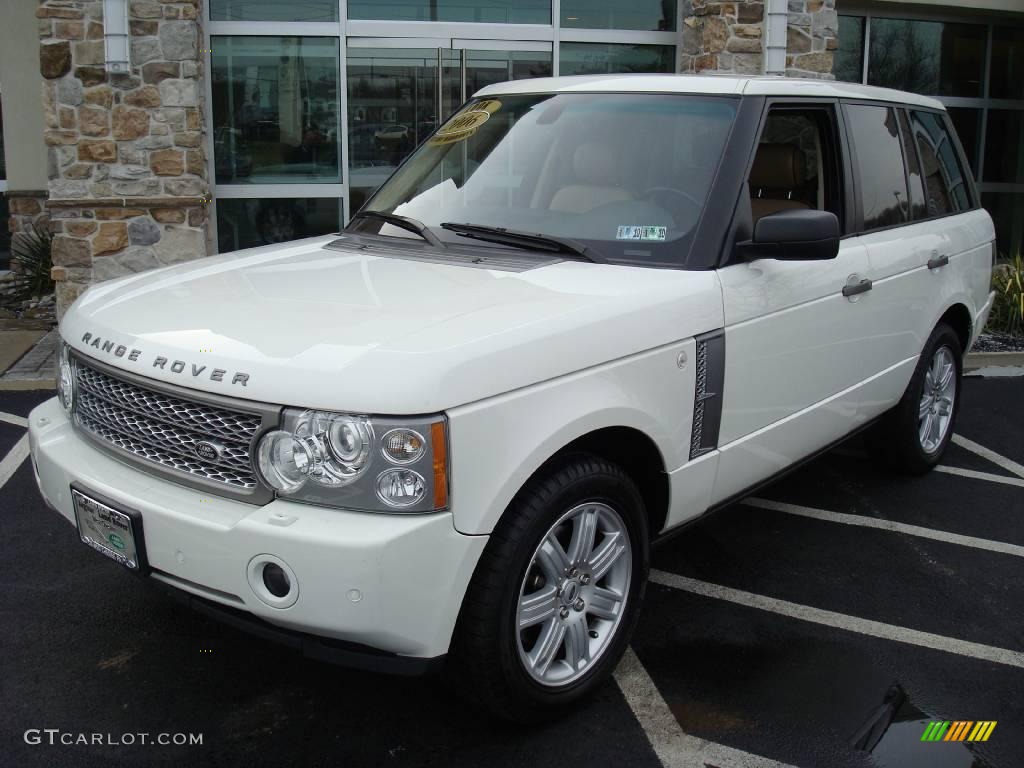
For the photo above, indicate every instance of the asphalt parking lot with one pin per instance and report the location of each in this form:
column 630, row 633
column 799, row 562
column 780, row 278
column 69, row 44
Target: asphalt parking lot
column 776, row 631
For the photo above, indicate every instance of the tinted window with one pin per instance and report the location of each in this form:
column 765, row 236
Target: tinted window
column 918, row 207
column 945, row 186
column 882, row 183
column 927, row 56
column 848, row 61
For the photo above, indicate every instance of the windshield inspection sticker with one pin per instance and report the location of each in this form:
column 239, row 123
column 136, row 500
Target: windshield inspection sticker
column 464, row 124
column 641, row 233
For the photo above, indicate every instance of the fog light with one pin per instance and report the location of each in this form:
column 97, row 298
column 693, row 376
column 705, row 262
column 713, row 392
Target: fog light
column 276, row 580
column 400, row 487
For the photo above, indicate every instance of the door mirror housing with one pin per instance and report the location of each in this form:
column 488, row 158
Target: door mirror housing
column 794, row 235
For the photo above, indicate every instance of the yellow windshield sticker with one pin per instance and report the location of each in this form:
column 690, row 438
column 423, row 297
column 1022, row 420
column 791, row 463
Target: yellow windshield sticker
column 464, row 124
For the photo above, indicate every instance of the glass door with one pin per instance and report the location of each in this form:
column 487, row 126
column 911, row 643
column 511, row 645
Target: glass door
column 399, row 89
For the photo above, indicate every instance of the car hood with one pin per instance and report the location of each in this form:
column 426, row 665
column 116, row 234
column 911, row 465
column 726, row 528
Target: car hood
column 299, row 324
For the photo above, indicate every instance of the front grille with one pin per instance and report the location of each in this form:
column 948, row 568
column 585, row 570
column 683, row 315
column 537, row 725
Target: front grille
column 162, row 429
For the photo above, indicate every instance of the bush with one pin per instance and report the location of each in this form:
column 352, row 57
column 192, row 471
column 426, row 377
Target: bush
column 31, row 260
column 1008, row 310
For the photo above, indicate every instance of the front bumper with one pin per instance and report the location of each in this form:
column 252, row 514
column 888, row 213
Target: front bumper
column 390, row 582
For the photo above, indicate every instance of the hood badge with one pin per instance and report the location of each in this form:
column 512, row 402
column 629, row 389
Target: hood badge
column 208, row 450
column 164, row 363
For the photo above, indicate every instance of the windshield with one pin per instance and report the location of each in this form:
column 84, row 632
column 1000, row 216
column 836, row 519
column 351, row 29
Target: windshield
column 626, row 175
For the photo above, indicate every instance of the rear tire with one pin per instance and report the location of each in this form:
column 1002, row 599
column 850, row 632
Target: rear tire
column 913, row 436
column 556, row 594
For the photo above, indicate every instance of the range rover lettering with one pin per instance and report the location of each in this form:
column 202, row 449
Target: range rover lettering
column 583, row 313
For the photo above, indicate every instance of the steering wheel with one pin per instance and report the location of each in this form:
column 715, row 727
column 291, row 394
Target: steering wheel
column 654, row 192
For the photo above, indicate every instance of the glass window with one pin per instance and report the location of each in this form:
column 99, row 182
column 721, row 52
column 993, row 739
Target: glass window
column 273, row 10
column 1007, row 211
column 626, row 175
column 619, row 14
column 944, row 184
column 608, row 58
column 882, row 184
column 1004, row 146
column 5, row 235
column 484, row 11
column 245, row 223
column 485, row 68
column 3, row 157
column 275, row 110
column 848, row 63
column 968, row 128
column 918, row 203
column 927, row 56
column 1007, row 63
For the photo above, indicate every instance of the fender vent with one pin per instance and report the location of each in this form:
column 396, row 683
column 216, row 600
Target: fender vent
column 707, row 396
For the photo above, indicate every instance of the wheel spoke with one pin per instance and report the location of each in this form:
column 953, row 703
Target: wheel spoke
column 929, row 379
column 577, row 644
column 924, row 408
column 584, row 530
column 547, row 646
column 552, row 559
column 604, row 603
column 925, row 430
column 540, row 606
column 947, row 376
column 603, row 558
column 936, row 433
column 945, row 405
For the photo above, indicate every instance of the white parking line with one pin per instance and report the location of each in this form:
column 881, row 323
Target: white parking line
column 980, row 475
column 842, row 621
column 674, row 747
column 13, row 460
column 10, row 418
column 886, row 525
column 1009, row 465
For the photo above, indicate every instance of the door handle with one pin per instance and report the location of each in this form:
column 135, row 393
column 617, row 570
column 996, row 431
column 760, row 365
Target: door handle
column 938, row 261
column 852, row 290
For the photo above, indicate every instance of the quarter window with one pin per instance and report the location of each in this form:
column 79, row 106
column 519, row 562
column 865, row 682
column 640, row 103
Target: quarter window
column 881, row 176
column 944, row 183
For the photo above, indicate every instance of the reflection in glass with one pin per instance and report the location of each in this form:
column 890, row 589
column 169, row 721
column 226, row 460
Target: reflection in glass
column 485, row 68
column 3, row 161
column 945, row 187
column 607, row 58
column 883, row 185
column 968, row 128
column 275, row 109
column 5, row 235
column 482, row 11
column 1007, row 210
column 619, row 14
column 1004, row 146
column 1006, row 80
column 248, row 223
column 918, row 204
column 929, row 57
column 273, row 10
column 848, row 64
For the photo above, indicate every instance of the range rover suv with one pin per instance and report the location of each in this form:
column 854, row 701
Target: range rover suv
column 583, row 313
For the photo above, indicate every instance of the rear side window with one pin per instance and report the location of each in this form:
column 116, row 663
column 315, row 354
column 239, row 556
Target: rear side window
column 918, row 206
column 881, row 176
column 945, row 187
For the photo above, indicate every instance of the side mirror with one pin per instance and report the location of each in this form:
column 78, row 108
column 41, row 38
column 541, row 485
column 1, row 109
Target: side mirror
column 795, row 235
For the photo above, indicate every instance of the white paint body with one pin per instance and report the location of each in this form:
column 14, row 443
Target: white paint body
column 521, row 363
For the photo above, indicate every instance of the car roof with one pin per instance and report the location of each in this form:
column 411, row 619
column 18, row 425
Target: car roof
column 733, row 85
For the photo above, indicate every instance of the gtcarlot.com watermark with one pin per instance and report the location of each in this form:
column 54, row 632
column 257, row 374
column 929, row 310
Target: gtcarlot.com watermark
column 55, row 736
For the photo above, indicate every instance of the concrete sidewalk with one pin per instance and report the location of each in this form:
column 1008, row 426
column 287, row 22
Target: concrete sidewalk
column 28, row 354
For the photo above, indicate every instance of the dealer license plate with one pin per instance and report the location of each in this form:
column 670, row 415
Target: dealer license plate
column 107, row 530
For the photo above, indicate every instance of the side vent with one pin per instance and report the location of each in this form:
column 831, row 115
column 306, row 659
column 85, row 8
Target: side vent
column 707, row 400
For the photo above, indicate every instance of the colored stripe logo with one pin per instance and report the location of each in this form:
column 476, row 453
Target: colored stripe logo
column 958, row 730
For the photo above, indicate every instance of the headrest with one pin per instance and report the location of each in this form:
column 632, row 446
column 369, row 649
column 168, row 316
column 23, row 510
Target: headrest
column 777, row 166
column 594, row 163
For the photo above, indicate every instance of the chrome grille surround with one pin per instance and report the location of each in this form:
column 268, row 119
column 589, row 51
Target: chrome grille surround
column 157, row 427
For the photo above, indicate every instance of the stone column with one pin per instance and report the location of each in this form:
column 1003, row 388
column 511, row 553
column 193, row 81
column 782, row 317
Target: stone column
column 127, row 172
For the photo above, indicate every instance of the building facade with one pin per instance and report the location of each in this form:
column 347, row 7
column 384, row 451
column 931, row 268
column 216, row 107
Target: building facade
column 167, row 130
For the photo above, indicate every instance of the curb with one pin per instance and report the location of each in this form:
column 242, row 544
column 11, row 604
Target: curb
column 993, row 359
column 18, row 385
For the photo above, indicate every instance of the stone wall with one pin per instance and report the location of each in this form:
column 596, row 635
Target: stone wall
column 27, row 210
column 812, row 35
column 128, row 179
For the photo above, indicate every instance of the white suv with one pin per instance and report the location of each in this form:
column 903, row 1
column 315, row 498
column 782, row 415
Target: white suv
column 583, row 313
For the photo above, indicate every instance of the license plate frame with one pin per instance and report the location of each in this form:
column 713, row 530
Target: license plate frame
column 110, row 528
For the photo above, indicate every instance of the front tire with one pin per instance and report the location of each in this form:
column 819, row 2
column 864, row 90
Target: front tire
column 914, row 435
column 556, row 594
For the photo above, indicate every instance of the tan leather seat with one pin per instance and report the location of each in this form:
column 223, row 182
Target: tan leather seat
column 776, row 179
column 595, row 168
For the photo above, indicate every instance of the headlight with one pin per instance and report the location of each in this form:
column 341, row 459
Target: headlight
column 65, row 378
column 358, row 462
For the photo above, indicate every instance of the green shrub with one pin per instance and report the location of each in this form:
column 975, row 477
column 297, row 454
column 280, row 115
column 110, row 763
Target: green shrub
column 31, row 252
column 1008, row 310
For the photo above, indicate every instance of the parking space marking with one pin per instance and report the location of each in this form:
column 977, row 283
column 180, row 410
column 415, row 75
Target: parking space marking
column 675, row 747
column 1009, row 465
column 10, row 418
column 13, row 460
column 980, row 475
column 886, row 525
column 856, row 624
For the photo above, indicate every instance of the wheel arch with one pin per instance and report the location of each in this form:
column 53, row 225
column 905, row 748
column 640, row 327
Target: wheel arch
column 958, row 317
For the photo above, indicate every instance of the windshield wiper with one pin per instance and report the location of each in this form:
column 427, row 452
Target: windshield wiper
column 407, row 223
column 518, row 239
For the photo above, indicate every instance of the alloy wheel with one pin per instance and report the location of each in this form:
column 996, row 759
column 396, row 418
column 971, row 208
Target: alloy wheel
column 938, row 395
